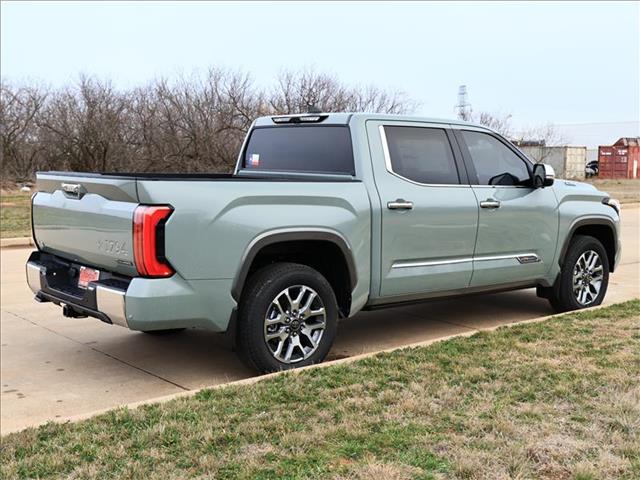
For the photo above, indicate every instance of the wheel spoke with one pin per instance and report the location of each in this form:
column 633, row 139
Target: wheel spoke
column 315, row 313
column 278, row 351
column 307, row 332
column 276, row 303
column 273, row 321
column 287, row 355
column 306, row 309
column 583, row 295
column 281, row 333
column 589, row 295
column 298, row 299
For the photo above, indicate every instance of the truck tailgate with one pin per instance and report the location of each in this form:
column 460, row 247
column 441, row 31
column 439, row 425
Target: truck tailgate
column 88, row 220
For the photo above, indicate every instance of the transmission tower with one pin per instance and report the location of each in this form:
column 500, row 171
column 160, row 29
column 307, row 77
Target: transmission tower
column 463, row 108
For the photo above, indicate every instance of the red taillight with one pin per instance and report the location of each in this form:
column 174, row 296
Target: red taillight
column 148, row 241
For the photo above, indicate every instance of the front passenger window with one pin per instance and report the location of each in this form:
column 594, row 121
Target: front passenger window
column 494, row 162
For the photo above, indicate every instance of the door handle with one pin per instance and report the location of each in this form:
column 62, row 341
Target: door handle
column 400, row 204
column 490, row 203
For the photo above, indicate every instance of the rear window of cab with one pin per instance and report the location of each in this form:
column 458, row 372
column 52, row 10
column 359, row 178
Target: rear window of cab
column 300, row 148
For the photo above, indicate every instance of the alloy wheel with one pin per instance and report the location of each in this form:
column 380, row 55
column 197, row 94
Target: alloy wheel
column 294, row 324
column 587, row 277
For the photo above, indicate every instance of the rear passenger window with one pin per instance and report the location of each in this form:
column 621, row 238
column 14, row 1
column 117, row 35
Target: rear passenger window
column 421, row 154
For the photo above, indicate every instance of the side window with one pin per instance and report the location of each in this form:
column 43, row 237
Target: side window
column 421, row 154
column 494, row 162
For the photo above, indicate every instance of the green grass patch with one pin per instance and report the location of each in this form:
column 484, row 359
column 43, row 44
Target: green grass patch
column 555, row 399
column 15, row 214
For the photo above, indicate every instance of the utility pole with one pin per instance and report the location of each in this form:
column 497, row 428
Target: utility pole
column 463, row 108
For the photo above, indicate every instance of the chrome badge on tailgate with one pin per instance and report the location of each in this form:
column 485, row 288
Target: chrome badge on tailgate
column 113, row 246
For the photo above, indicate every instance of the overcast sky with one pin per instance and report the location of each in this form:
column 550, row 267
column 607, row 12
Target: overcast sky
column 566, row 63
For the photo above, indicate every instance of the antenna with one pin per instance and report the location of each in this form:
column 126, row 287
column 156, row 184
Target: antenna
column 463, row 107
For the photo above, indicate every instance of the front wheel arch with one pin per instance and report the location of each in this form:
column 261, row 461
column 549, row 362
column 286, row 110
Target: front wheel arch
column 602, row 229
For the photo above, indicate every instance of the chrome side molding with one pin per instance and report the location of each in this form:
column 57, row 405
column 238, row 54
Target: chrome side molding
column 522, row 258
column 434, row 263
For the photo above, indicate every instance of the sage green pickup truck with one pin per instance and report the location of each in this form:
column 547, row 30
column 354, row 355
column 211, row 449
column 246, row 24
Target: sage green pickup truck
column 324, row 216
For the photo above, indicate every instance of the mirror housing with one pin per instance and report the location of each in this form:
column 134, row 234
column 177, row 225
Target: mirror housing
column 543, row 175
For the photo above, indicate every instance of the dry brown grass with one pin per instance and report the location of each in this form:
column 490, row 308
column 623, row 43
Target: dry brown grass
column 554, row 400
column 625, row 190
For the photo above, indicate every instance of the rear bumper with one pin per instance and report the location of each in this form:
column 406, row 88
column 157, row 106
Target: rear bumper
column 137, row 303
column 50, row 281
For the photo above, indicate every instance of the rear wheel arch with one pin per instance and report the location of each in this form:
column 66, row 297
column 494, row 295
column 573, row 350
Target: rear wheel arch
column 325, row 251
column 602, row 229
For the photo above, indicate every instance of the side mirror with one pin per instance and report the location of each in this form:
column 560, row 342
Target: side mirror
column 543, row 175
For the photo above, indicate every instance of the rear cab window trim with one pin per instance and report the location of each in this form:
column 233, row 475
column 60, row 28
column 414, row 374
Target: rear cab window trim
column 243, row 170
column 453, row 145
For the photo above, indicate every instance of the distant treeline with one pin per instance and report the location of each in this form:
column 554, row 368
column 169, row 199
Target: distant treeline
column 189, row 124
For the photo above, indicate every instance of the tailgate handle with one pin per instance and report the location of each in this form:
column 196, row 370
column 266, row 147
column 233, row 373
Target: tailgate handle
column 75, row 190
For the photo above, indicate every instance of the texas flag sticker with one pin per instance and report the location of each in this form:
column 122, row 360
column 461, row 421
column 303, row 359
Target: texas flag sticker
column 254, row 161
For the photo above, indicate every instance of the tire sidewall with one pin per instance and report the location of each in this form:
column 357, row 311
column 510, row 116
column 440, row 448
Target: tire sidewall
column 267, row 284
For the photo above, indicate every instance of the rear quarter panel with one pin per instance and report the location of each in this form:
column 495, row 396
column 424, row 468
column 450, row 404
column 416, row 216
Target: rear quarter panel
column 215, row 222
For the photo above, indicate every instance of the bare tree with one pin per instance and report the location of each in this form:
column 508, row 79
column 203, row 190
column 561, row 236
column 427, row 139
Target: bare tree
column 189, row 124
column 21, row 143
column 84, row 128
column 540, row 141
column 296, row 92
column 500, row 123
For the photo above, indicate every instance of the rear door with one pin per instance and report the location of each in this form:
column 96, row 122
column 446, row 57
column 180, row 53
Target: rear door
column 86, row 219
column 429, row 212
column 518, row 225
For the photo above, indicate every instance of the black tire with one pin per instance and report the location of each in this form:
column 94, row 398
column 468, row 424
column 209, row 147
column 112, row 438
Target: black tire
column 168, row 331
column 257, row 299
column 561, row 296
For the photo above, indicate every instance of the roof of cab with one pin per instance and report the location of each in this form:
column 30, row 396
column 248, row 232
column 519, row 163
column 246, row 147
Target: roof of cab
column 344, row 118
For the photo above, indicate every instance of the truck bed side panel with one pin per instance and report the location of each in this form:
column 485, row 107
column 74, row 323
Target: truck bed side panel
column 214, row 223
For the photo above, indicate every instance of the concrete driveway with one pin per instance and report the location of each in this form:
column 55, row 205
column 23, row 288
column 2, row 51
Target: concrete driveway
column 54, row 367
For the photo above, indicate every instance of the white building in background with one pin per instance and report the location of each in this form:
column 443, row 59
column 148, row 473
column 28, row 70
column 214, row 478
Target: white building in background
column 567, row 161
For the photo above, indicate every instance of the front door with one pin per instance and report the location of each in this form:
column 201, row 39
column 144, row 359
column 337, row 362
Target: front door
column 429, row 212
column 518, row 225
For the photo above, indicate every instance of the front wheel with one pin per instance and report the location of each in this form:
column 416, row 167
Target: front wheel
column 584, row 276
column 287, row 318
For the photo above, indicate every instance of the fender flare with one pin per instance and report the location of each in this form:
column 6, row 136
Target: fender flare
column 287, row 235
column 585, row 222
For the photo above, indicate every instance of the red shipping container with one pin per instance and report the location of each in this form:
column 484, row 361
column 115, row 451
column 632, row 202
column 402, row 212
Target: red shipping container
column 621, row 160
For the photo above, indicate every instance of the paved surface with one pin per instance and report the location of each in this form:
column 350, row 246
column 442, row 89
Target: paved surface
column 56, row 367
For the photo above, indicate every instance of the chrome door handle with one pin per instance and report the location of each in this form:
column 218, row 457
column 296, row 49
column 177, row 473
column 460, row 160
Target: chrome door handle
column 490, row 203
column 400, row 204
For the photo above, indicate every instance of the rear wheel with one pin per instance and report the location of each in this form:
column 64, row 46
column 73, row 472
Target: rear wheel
column 584, row 277
column 287, row 318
